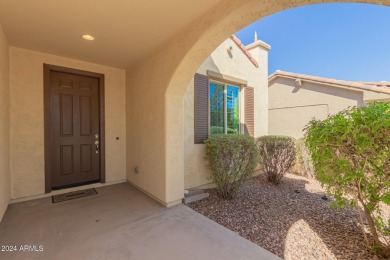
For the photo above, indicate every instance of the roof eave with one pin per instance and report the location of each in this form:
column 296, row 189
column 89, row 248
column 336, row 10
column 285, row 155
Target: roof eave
column 258, row 43
column 325, row 81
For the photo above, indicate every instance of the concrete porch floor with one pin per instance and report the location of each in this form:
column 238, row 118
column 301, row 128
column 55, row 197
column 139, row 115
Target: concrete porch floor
column 119, row 223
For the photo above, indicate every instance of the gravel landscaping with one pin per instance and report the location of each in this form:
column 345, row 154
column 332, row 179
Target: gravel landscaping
column 292, row 220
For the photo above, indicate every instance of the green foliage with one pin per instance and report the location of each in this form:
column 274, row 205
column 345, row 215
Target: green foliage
column 351, row 156
column 303, row 164
column 277, row 156
column 232, row 160
column 220, row 130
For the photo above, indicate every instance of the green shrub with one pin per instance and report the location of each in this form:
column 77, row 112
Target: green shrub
column 303, row 164
column 232, row 160
column 351, row 156
column 277, row 156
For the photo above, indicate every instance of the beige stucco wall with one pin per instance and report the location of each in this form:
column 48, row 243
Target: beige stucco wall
column 27, row 129
column 145, row 132
column 156, row 85
column 239, row 66
column 291, row 107
column 5, row 179
column 375, row 96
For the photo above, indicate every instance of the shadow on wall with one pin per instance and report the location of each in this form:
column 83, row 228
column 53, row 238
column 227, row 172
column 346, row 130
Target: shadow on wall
column 222, row 62
column 337, row 92
column 196, row 172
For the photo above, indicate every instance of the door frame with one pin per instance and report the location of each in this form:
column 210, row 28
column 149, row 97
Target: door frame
column 47, row 69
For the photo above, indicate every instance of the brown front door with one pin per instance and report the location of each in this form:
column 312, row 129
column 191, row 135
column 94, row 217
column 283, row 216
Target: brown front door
column 74, row 130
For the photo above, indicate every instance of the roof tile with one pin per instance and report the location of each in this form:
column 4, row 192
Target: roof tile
column 382, row 87
column 245, row 50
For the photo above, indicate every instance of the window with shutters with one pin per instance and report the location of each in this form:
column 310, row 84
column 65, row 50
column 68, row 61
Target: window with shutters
column 217, row 108
column 224, row 108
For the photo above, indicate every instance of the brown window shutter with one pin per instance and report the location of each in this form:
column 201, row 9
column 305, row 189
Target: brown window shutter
column 249, row 102
column 201, row 108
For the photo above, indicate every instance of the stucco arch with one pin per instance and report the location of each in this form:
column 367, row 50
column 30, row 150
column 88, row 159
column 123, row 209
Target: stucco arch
column 167, row 73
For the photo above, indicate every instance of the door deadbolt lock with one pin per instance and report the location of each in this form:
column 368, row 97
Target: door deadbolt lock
column 97, row 146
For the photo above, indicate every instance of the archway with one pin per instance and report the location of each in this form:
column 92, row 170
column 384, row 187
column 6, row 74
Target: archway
column 167, row 73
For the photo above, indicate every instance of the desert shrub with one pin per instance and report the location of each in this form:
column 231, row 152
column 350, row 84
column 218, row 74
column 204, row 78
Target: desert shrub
column 303, row 164
column 232, row 160
column 277, row 156
column 351, row 157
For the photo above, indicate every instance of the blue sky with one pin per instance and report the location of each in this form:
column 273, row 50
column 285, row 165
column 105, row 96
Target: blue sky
column 342, row 41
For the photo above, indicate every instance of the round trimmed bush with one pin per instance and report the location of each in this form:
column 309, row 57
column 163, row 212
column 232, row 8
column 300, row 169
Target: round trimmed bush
column 277, row 156
column 232, row 159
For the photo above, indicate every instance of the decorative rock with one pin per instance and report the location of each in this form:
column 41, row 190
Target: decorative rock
column 290, row 227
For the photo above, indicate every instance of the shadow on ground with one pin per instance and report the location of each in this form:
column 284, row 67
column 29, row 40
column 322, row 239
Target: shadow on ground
column 291, row 220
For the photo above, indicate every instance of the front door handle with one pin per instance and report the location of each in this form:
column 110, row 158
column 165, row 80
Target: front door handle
column 97, row 146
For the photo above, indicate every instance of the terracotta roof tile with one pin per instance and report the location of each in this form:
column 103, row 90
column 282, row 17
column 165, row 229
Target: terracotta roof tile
column 382, row 87
column 244, row 49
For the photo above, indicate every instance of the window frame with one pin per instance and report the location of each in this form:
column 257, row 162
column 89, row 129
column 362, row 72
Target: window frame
column 240, row 105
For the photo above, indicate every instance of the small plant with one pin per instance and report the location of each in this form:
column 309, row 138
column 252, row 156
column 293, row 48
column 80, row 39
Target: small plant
column 277, row 156
column 232, row 160
column 303, row 164
column 351, row 156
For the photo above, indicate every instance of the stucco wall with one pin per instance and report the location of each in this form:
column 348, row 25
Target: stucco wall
column 5, row 181
column 27, row 129
column 145, row 133
column 376, row 96
column 156, row 85
column 239, row 66
column 291, row 121
column 291, row 107
column 154, row 93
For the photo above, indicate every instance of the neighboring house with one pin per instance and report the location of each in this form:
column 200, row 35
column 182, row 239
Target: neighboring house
column 228, row 94
column 294, row 99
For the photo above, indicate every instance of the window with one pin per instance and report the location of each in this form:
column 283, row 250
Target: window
column 217, row 108
column 224, row 108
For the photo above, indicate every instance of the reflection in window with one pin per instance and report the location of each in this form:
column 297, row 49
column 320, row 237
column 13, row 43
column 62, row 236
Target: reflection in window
column 224, row 109
column 217, row 108
column 233, row 123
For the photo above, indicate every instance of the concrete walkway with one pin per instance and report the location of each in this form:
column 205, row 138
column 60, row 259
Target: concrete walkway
column 118, row 223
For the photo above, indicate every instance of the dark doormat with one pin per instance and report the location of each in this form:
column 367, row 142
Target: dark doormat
column 73, row 195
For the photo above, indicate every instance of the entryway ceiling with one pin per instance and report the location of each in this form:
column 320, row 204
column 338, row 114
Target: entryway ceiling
column 124, row 30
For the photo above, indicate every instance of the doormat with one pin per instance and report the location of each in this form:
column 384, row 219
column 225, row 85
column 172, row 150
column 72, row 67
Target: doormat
column 73, row 195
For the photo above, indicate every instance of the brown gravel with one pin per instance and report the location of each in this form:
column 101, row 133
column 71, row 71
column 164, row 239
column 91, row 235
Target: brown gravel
column 292, row 225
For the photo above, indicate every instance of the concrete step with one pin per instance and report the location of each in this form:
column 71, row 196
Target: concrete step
column 195, row 197
column 190, row 193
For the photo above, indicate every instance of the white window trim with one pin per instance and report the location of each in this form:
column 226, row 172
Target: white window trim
column 240, row 106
